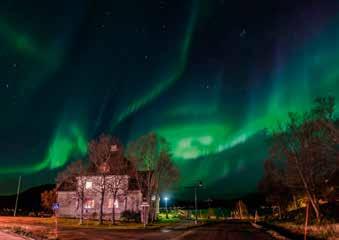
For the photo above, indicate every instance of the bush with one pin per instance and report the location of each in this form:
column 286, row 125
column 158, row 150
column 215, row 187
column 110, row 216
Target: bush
column 32, row 214
column 129, row 215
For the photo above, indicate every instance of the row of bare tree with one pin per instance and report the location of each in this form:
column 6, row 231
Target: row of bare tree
column 304, row 157
column 147, row 160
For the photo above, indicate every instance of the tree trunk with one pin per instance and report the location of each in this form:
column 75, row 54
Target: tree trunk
column 279, row 211
column 81, row 211
column 152, row 212
column 125, row 202
column 314, row 204
column 306, row 220
column 113, row 208
column 316, row 209
column 157, row 203
column 295, row 202
column 102, row 198
column 240, row 210
column 113, row 214
column 149, row 200
column 101, row 207
column 311, row 198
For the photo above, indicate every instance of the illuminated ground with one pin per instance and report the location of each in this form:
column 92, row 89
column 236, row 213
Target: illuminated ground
column 221, row 230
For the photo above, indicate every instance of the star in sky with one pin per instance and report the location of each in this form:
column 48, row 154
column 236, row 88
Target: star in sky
column 243, row 32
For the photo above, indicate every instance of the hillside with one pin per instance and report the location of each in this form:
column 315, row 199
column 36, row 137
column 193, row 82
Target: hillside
column 29, row 200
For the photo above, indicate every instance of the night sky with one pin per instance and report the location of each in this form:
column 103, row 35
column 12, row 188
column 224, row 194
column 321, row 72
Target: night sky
column 212, row 77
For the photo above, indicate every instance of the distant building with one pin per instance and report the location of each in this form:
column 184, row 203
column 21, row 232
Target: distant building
column 129, row 197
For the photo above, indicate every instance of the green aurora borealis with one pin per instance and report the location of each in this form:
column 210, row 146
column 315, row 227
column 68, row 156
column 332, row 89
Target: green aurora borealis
column 182, row 69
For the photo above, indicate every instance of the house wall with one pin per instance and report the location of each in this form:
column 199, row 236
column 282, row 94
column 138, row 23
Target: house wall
column 67, row 204
column 134, row 200
column 126, row 200
column 130, row 200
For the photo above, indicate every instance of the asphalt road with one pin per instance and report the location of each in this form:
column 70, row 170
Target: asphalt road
column 225, row 230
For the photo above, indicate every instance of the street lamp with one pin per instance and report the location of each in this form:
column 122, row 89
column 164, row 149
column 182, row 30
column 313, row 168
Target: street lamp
column 166, row 199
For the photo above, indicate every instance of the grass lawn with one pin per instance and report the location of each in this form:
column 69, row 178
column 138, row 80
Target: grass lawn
column 324, row 231
column 45, row 228
column 36, row 222
column 172, row 217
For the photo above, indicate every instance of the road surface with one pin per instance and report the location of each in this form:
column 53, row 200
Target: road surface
column 6, row 236
column 224, row 230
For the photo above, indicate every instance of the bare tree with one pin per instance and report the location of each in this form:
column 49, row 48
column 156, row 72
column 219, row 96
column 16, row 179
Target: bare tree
column 155, row 170
column 102, row 152
column 167, row 172
column 74, row 178
column 309, row 144
column 241, row 210
column 120, row 169
column 48, row 198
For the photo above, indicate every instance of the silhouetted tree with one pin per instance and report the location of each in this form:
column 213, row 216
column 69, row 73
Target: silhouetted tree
column 241, row 210
column 273, row 185
column 309, row 144
column 119, row 169
column 150, row 154
column 102, row 152
column 48, row 198
column 74, row 178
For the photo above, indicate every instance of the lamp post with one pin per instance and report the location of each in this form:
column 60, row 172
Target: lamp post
column 166, row 199
column 199, row 185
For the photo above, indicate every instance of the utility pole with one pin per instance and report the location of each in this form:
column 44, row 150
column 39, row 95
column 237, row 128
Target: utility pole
column 17, row 196
column 209, row 206
column 196, row 205
column 195, row 187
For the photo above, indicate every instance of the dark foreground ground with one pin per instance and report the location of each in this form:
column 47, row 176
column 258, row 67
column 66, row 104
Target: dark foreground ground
column 224, row 230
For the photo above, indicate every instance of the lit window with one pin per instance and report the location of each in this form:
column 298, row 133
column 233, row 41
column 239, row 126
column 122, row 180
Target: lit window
column 110, row 203
column 88, row 185
column 89, row 203
column 114, row 148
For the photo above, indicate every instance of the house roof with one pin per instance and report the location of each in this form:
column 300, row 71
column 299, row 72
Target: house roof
column 92, row 172
column 67, row 186
column 133, row 184
column 71, row 186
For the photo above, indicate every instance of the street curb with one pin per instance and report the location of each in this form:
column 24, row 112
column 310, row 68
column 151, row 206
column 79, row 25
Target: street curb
column 272, row 233
column 283, row 232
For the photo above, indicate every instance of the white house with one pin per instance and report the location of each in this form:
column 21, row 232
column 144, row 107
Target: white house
column 129, row 197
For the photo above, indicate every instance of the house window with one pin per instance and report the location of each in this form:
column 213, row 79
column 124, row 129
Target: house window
column 88, row 185
column 89, row 203
column 110, row 203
